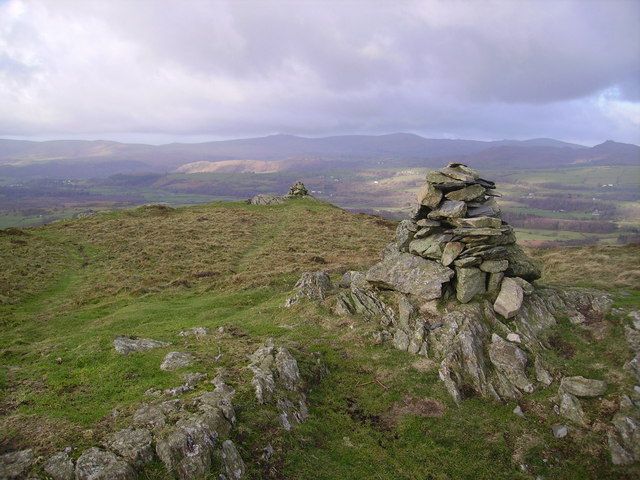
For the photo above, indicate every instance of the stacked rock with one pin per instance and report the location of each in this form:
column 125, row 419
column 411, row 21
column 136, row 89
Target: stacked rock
column 298, row 190
column 458, row 224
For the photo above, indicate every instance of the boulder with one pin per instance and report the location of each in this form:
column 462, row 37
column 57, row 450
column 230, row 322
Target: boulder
column 311, row 285
column 470, row 282
column 175, row 360
column 559, row 431
column 583, row 387
column 149, row 416
column 97, row 464
column 431, row 247
column 509, row 299
column 287, row 368
column 132, row 444
column 16, row 465
column 410, row 274
column 60, row 467
column 126, row 345
column 527, row 288
column 233, row 464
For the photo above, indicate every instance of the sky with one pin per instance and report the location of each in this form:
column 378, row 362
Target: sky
column 194, row 70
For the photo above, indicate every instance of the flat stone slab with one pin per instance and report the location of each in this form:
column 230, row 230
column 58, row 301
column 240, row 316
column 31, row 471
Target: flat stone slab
column 583, row 387
column 410, row 274
column 509, row 299
column 126, row 345
column 175, row 360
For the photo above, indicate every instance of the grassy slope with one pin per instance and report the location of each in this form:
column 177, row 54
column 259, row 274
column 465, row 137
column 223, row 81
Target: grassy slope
column 70, row 287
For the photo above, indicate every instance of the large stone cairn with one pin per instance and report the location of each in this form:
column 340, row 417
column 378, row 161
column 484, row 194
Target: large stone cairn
column 468, row 248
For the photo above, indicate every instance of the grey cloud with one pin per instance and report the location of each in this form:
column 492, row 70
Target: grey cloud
column 567, row 69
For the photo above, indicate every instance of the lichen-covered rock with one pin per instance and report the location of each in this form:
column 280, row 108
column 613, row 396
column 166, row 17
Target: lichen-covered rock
column 60, row 467
column 126, row 345
column 149, row 416
column 510, row 362
column 521, row 265
column 450, row 252
column 431, row 246
column 405, row 232
column 448, row 209
column 233, row 465
column 175, row 360
column 287, row 368
column 312, row 285
column 494, row 266
column 583, row 387
column 467, row 194
column 134, row 445
column 571, row 409
column 470, row 282
column 187, row 448
column 509, row 299
column 410, row 274
column 15, row 465
column 194, row 332
column 429, row 196
column 263, row 199
column 97, row 464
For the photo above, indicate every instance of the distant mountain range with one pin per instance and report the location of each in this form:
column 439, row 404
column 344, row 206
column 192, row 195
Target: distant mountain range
column 85, row 159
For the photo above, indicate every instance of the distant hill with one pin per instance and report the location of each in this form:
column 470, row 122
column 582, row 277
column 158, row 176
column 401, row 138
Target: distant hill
column 78, row 158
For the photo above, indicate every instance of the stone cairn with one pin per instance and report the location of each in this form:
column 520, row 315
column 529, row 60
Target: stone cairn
column 472, row 251
column 297, row 190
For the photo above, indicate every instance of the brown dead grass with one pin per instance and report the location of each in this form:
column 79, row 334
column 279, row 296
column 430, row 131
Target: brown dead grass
column 605, row 267
column 410, row 405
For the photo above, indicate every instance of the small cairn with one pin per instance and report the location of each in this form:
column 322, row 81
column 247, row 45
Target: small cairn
column 297, row 190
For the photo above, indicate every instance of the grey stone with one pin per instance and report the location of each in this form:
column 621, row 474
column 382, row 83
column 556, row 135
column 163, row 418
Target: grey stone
column 149, row 416
column 429, row 196
column 410, row 274
column 175, row 360
column 514, row 337
column 431, row 247
column 405, row 232
column 619, row 455
column 97, row 464
column 450, row 252
column 461, row 172
column 494, row 266
column 518, row 411
column 511, row 362
column 467, row 193
column 233, row 464
column 126, row 345
column 448, row 209
column 298, row 190
column 559, row 431
column 442, row 181
column 520, row 265
column 494, row 281
column 426, row 231
column 186, row 449
column 634, row 315
column 312, row 285
column 345, row 281
column 527, row 288
column 288, row 372
column 542, row 375
column 477, row 232
column 263, row 199
column 194, row 332
column 467, row 262
column 425, row 222
column 60, row 467
column 469, row 283
column 400, row 340
column 583, row 387
column 261, row 363
column 571, row 409
column 15, row 465
column 475, row 210
column 509, row 299
column 134, row 445
column 478, row 222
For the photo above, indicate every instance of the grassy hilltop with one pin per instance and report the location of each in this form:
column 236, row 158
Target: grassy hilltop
column 68, row 288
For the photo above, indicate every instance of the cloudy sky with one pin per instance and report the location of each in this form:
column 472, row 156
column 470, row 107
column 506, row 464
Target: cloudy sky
column 185, row 70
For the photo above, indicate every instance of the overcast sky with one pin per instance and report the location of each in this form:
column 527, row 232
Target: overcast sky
column 183, row 70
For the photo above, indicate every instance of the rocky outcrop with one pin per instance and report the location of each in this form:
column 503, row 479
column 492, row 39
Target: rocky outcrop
column 297, row 190
column 60, row 467
column 16, row 465
column 312, row 285
column 97, row 464
column 175, row 360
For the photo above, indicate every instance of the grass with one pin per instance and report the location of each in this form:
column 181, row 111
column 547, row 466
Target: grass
column 70, row 287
